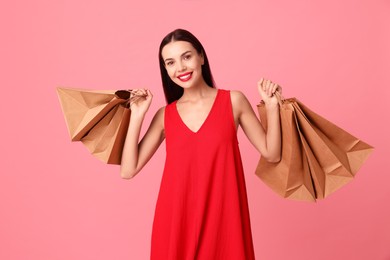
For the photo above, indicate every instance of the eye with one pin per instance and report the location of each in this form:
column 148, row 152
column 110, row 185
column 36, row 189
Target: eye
column 187, row 57
column 169, row 63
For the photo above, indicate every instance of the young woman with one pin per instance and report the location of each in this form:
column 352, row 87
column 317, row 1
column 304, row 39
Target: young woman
column 202, row 209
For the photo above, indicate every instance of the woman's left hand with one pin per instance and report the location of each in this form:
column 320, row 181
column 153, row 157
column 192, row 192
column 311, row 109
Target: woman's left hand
column 267, row 89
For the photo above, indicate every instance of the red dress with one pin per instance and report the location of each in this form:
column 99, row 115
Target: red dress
column 202, row 208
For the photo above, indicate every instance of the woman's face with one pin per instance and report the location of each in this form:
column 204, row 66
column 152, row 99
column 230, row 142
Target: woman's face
column 183, row 63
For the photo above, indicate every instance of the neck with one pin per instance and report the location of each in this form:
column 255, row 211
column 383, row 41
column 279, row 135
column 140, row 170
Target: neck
column 196, row 92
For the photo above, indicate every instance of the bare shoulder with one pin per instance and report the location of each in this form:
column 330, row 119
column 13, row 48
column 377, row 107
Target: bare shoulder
column 239, row 100
column 237, row 96
column 159, row 116
column 158, row 121
column 161, row 111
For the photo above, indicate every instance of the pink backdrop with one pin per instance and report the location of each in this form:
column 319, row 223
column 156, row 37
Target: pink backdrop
column 58, row 202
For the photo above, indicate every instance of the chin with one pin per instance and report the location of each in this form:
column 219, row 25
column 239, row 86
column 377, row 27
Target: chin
column 186, row 86
column 189, row 84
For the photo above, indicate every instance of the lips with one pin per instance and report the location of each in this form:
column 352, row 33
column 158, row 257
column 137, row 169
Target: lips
column 185, row 76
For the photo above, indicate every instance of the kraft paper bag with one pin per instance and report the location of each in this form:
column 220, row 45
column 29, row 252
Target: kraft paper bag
column 318, row 157
column 99, row 119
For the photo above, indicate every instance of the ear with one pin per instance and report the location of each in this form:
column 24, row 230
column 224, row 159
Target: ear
column 202, row 57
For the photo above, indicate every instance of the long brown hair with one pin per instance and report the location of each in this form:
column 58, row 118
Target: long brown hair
column 173, row 91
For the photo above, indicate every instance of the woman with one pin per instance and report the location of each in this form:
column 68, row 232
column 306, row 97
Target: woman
column 202, row 210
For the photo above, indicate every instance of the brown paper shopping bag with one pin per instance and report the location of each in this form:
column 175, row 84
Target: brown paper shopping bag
column 99, row 119
column 318, row 157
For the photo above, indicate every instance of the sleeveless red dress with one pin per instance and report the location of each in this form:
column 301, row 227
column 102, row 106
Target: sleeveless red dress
column 202, row 208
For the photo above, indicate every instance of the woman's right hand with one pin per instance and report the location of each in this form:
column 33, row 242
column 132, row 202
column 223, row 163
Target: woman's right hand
column 140, row 101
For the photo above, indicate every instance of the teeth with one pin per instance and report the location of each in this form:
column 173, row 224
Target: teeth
column 186, row 76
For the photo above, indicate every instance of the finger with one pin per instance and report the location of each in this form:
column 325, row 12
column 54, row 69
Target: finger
column 141, row 92
column 149, row 94
column 272, row 89
column 133, row 92
column 260, row 82
column 260, row 86
column 265, row 85
column 269, row 87
column 137, row 92
column 277, row 87
column 274, row 86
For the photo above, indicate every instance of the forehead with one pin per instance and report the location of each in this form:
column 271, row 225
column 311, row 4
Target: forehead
column 176, row 48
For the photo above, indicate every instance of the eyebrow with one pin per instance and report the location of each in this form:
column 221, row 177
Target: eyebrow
column 180, row 56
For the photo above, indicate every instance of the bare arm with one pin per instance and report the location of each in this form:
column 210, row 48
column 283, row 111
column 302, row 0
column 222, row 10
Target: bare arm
column 135, row 155
column 267, row 143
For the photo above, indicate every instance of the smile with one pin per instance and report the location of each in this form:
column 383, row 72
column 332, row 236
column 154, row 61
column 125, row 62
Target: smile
column 185, row 77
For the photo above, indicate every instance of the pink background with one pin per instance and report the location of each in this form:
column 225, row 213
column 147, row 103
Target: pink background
column 58, row 202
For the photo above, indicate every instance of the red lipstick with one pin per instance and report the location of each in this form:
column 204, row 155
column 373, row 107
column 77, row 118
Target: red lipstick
column 185, row 76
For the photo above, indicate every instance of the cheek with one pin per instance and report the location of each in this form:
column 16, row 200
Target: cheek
column 197, row 64
column 170, row 71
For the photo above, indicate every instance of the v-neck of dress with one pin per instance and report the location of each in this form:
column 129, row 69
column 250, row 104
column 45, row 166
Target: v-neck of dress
column 205, row 120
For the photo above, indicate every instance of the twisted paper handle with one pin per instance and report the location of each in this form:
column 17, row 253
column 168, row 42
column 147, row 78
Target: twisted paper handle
column 130, row 96
column 279, row 97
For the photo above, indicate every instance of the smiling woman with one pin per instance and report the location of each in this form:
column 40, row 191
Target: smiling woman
column 202, row 207
column 184, row 41
column 186, row 66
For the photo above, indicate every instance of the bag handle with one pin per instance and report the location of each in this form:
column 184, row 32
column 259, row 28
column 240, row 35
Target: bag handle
column 129, row 96
column 279, row 97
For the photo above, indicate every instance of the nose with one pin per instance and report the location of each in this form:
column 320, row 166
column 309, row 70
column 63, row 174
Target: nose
column 181, row 66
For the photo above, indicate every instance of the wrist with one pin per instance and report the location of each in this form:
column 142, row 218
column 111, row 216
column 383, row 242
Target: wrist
column 272, row 106
column 137, row 115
